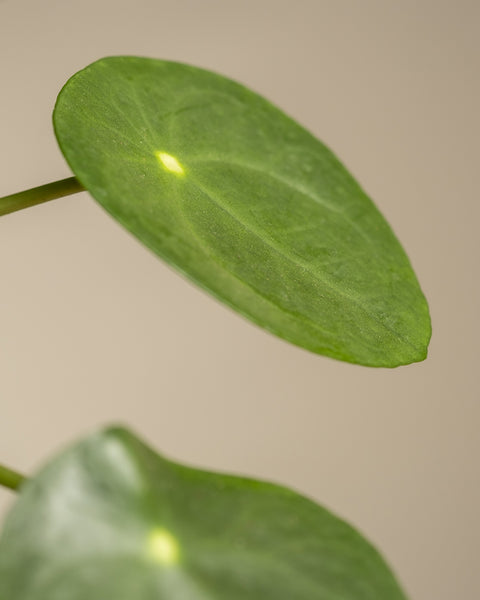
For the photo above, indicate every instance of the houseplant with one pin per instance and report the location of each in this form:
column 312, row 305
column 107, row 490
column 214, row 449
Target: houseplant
column 241, row 199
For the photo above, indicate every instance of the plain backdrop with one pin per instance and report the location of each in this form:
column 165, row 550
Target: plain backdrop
column 95, row 330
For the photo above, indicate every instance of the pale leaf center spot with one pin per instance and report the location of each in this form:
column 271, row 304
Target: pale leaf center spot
column 163, row 547
column 170, row 163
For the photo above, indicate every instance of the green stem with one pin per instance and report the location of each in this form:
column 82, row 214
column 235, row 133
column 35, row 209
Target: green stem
column 43, row 193
column 10, row 479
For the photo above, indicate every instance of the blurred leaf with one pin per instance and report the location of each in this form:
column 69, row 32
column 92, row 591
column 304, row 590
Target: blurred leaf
column 245, row 202
column 109, row 519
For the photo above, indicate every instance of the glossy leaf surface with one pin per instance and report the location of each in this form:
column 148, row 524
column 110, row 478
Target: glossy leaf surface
column 245, row 202
column 111, row 519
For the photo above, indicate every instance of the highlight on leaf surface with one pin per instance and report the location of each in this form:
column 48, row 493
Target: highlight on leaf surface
column 110, row 518
column 245, row 202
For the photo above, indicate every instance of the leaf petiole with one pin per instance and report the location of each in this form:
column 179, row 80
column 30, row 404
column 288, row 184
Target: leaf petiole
column 37, row 195
column 10, row 479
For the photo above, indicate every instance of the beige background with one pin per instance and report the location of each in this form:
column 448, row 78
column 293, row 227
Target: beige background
column 95, row 330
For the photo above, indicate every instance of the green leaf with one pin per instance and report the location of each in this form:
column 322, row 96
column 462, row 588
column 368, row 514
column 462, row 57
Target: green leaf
column 110, row 519
column 225, row 187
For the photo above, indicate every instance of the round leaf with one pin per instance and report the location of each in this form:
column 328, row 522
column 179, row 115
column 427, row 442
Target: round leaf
column 244, row 201
column 110, row 519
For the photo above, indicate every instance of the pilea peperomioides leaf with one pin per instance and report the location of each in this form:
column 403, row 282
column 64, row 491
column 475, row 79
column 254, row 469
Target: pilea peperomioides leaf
column 248, row 204
column 110, row 519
